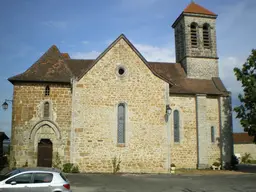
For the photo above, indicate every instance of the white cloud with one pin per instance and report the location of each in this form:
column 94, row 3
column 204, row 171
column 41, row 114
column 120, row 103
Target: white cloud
column 156, row 53
column 85, row 42
column 85, row 55
column 56, row 24
column 151, row 53
column 226, row 66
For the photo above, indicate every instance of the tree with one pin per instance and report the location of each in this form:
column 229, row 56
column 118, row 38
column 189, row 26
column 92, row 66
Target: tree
column 246, row 112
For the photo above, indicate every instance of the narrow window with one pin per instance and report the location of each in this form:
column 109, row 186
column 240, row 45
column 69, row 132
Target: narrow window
column 212, row 134
column 176, row 125
column 206, row 36
column 47, row 91
column 193, row 34
column 121, row 124
column 46, row 109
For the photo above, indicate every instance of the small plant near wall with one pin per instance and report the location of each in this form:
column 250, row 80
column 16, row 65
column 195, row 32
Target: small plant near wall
column 57, row 162
column 67, row 167
column 70, row 168
column 14, row 163
column 75, row 169
column 116, row 164
column 26, row 164
column 173, row 168
column 216, row 164
column 246, row 158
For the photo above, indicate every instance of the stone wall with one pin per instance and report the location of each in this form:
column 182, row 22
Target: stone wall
column 29, row 125
column 184, row 153
column 200, row 62
column 212, row 115
column 245, row 148
column 97, row 96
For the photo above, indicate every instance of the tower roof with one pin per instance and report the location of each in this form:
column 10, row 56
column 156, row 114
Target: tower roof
column 195, row 8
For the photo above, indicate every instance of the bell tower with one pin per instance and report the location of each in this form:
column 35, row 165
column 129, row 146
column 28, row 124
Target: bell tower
column 195, row 42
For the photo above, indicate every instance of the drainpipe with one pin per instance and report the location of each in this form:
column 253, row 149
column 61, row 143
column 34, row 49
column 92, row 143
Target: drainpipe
column 168, row 127
column 73, row 83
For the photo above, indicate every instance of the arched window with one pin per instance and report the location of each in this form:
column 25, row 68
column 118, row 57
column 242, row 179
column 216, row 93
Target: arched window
column 47, row 91
column 212, row 134
column 121, row 124
column 176, row 126
column 46, row 110
column 206, row 36
column 193, row 35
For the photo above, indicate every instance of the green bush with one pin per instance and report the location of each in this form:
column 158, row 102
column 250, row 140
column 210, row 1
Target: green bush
column 26, row 164
column 253, row 161
column 246, row 158
column 75, row 169
column 217, row 164
column 67, row 167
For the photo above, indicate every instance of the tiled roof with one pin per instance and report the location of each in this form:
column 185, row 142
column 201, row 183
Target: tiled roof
column 242, row 138
column 54, row 66
column 50, row 67
column 185, row 85
column 195, row 8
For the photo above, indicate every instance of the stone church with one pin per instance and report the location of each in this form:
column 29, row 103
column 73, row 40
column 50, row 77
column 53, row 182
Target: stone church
column 147, row 114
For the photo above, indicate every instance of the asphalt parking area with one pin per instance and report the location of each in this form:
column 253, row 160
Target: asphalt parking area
column 162, row 183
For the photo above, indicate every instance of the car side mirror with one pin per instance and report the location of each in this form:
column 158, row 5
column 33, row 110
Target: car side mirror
column 13, row 183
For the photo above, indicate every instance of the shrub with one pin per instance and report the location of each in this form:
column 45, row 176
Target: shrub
column 253, row 161
column 246, row 158
column 217, row 164
column 26, row 164
column 75, row 169
column 67, row 167
column 116, row 164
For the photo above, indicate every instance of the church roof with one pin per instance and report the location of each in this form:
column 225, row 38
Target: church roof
column 195, row 8
column 50, row 67
column 242, row 138
column 58, row 67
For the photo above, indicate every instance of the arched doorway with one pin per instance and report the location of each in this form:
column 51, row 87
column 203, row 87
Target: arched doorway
column 44, row 153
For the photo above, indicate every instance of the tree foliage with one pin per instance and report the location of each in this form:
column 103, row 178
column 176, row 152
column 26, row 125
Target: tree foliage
column 246, row 112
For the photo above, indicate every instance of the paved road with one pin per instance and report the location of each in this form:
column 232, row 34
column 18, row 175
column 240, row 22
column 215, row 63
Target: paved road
column 162, row 183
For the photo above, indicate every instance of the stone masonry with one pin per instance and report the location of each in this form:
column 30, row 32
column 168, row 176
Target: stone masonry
column 83, row 107
column 29, row 126
column 97, row 96
column 200, row 63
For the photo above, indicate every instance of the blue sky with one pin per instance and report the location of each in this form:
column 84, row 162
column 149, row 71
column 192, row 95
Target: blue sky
column 84, row 29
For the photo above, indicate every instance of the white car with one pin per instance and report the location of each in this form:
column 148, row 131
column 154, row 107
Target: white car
column 35, row 180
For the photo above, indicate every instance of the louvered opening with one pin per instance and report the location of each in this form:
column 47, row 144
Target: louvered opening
column 193, row 34
column 206, row 36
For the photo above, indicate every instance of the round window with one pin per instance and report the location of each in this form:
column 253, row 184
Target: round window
column 121, row 70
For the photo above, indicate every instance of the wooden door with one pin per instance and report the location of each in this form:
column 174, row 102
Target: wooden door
column 44, row 156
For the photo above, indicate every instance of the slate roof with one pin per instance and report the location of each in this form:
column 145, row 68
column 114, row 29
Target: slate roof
column 57, row 67
column 242, row 138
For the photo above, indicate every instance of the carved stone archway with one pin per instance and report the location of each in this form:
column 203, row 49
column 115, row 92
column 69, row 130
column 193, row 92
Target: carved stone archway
column 41, row 124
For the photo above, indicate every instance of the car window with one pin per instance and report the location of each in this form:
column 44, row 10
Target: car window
column 43, row 177
column 20, row 179
column 63, row 177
